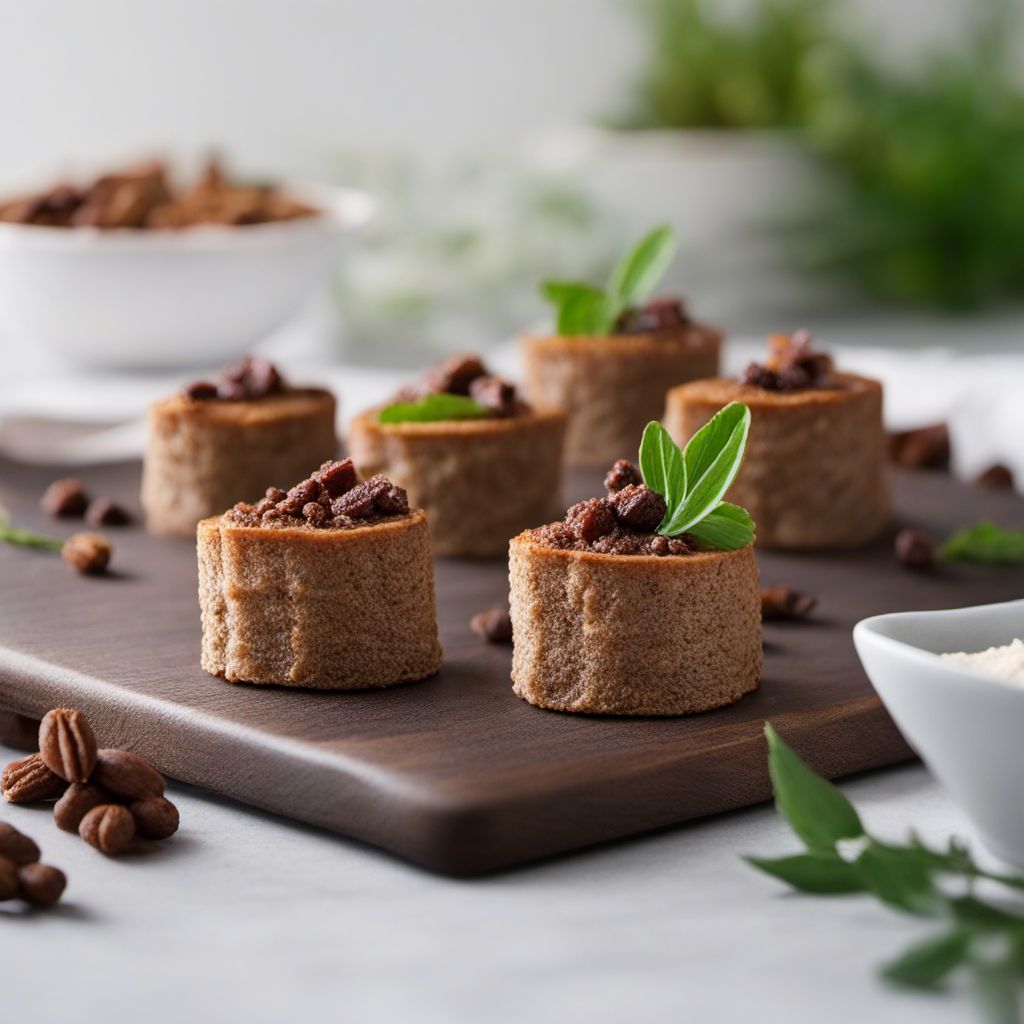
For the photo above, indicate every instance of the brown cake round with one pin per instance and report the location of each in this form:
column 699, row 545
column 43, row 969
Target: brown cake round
column 480, row 480
column 814, row 473
column 633, row 634
column 612, row 386
column 337, row 599
column 204, row 452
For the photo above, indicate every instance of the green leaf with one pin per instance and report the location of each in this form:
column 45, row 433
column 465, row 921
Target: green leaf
column 434, row 408
column 927, row 964
column 898, row 876
column 713, row 457
column 28, row 539
column 811, row 872
column 662, row 466
column 726, row 527
column 818, row 813
column 580, row 309
column 986, row 543
column 639, row 271
column 996, row 990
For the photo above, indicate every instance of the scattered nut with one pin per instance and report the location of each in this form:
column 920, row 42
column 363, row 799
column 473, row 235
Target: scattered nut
column 87, row 552
column 915, row 549
column 78, row 800
column 155, row 817
column 924, row 448
column 30, row 780
column 785, row 602
column 41, row 885
column 67, row 744
column 996, row 478
column 8, row 879
column 65, row 498
column 17, row 846
column 105, row 512
column 493, row 625
column 109, row 828
column 127, row 775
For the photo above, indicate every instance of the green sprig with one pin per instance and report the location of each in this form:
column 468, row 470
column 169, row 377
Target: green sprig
column 985, row 543
column 28, row 539
column 433, row 409
column 983, row 940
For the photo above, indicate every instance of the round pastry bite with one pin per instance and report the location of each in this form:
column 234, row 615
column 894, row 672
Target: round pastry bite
column 327, row 586
column 218, row 442
column 814, row 474
column 647, row 601
column 615, row 353
column 482, row 464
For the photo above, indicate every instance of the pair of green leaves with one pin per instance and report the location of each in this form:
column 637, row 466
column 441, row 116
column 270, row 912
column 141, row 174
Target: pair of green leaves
column 693, row 480
column 904, row 877
column 582, row 309
column 985, row 543
column 433, row 409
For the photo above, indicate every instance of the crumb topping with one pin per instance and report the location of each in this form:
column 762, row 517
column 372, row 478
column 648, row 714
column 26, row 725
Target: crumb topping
column 653, row 317
column 250, row 378
column 466, row 375
column 793, row 364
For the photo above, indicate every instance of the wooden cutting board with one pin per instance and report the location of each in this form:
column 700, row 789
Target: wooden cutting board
column 455, row 773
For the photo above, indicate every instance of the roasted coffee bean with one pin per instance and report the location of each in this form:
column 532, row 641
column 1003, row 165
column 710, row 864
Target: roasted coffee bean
column 17, row 846
column 9, row 888
column 109, row 828
column 591, row 519
column 87, row 552
column 41, row 885
column 155, row 817
column 638, row 507
column 785, row 602
column 67, row 744
column 65, row 498
column 494, row 393
column 336, row 478
column 29, row 780
column 76, row 803
column 105, row 512
column 622, row 474
column 923, row 448
column 493, row 625
column 126, row 775
column 915, row 549
column 200, row 390
column 996, row 478
column 655, row 315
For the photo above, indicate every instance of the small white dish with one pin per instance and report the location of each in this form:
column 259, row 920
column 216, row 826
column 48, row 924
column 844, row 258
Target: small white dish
column 967, row 727
column 160, row 299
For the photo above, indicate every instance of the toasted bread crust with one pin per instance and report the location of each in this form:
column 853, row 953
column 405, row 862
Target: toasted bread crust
column 633, row 634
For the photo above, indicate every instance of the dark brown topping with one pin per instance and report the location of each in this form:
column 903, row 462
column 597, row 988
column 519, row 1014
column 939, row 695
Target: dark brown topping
column 109, row 828
column 619, row 541
column 105, row 512
column 251, row 378
column 41, row 885
column 67, row 744
column 16, row 846
column 638, row 507
column 996, row 478
column 654, row 316
column 65, row 498
column 783, row 602
column 28, row 780
column 922, row 448
column 591, row 519
column 494, row 393
column 493, row 625
column 465, row 375
column 915, row 549
column 87, row 552
column 622, row 474
column 377, row 497
column 454, row 376
column 792, row 365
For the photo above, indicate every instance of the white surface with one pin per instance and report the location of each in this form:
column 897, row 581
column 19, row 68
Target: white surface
column 243, row 917
column 966, row 725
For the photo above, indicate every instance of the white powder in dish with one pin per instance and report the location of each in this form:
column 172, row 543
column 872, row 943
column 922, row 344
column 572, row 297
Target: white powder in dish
column 1002, row 662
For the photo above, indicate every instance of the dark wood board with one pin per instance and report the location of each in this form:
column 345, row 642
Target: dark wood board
column 456, row 773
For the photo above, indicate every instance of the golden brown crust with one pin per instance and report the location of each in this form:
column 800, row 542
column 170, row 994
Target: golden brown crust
column 613, row 386
column 633, row 634
column 323, row 609
column 480, row 481
column 813, row 476
column 204, row 456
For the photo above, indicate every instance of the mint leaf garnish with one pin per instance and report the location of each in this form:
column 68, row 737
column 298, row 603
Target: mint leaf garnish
column 982, row 939
column 582, row 309
column 986, row 543
column 693, row 480
column 432, row 409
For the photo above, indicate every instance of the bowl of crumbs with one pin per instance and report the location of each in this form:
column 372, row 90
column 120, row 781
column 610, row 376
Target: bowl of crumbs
column 953, row 681
column 135, row 270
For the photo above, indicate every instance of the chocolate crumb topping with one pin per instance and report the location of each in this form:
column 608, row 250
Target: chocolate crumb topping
column 331, row 499
column 792, row 365
column 622, row 474
column 639, row 507
column 654, row 316
column 465, row 375
column 250, row 378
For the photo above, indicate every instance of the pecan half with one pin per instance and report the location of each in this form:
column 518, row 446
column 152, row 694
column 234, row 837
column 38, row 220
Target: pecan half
column 29, row 780
column 67, row 744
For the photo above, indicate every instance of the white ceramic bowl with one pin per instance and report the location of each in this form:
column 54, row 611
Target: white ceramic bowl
column 157, row 299
column 968, row 728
